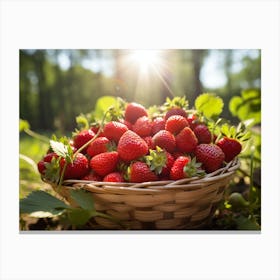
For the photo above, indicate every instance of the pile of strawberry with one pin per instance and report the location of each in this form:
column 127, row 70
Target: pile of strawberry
column 136, row 148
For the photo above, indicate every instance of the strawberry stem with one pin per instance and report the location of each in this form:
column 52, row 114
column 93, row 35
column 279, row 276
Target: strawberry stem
column 36, row 135
column 84, row 146
column 96, row 135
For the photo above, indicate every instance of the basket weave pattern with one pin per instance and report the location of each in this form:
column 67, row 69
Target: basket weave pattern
column 183, row 204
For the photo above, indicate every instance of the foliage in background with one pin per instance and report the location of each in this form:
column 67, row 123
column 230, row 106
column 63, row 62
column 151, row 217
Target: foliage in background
column 52, row 96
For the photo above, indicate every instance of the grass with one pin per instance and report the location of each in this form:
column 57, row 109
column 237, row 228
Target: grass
column 31, row 151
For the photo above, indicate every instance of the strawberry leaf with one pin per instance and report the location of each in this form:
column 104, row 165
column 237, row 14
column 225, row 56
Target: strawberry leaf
column 210, row 105
column 59, row 148
column 62, row 148
column 40, row 201
column 103, row 104
column 78, row 216
column 83, row 198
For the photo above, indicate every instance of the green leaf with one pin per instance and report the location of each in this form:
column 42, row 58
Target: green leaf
column 244, row 223
column 78, row 216
column 42, row 201
column 62, row 148
column 52, row 172
column 83, row 199
column 82, row 122
column 103, row 104
column 209, row 105
column 247, row 106
column 23, row 125
column 59, row 148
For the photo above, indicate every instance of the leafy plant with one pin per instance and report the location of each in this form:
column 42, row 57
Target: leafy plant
column 43, row 204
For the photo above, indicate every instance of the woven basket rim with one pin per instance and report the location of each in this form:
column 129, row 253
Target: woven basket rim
column 156, row 186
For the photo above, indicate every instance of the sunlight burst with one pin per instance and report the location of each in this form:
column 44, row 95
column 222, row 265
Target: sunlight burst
column 146, row 59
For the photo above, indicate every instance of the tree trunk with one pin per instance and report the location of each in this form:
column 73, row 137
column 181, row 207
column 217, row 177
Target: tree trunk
column 197, row 58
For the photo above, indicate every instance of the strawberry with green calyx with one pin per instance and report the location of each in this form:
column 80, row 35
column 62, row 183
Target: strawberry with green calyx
column 134, row 111
column 100, row 145
column 165, row 140
column 176, row 106
column 139, row 172
column 104, row 163
column 231, row 138
column 143, row 126
column 59, row 150
column 185, row 167
column 131, row 146
column 186, row 140
column 211, row 156
column 114, row 130
column 114, row 177
column 175, row 124
column 156, row 160
column 46, row 159
column 202, row 134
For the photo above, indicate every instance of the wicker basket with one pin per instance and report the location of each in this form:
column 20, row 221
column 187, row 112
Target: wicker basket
column 162, row 205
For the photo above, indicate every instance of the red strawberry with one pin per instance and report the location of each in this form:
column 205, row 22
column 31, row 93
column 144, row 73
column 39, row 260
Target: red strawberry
column 202, row 134
column 165, row 140
column 127, row 123
column 184, row 167
column 149, row 141
column 176, row 123
column 131, row 146
column 193, row 121
column 134, row 111
column 210, row 155
column 78, row 169
column 140, row 172
column 178, row 154
column 41, row 167
column 95, row 128
column 231, row 148
column 113, row 177
column 82, row 138
column 157, row 125
column 114, row 130
column 175, row 111
column 143, row 126
column 186, row 140
column 169, row 163
column 104, row 163
column 98, row 146
column 91, row 177
column 47, row 158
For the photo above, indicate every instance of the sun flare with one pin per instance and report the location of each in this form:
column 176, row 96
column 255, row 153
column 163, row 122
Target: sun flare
column 145, row 59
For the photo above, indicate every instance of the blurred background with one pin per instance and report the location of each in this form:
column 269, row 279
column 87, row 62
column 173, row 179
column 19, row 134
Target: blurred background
column 57, row 85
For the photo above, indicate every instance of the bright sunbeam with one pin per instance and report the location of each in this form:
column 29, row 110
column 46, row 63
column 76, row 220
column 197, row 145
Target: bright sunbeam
column 145, row 59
